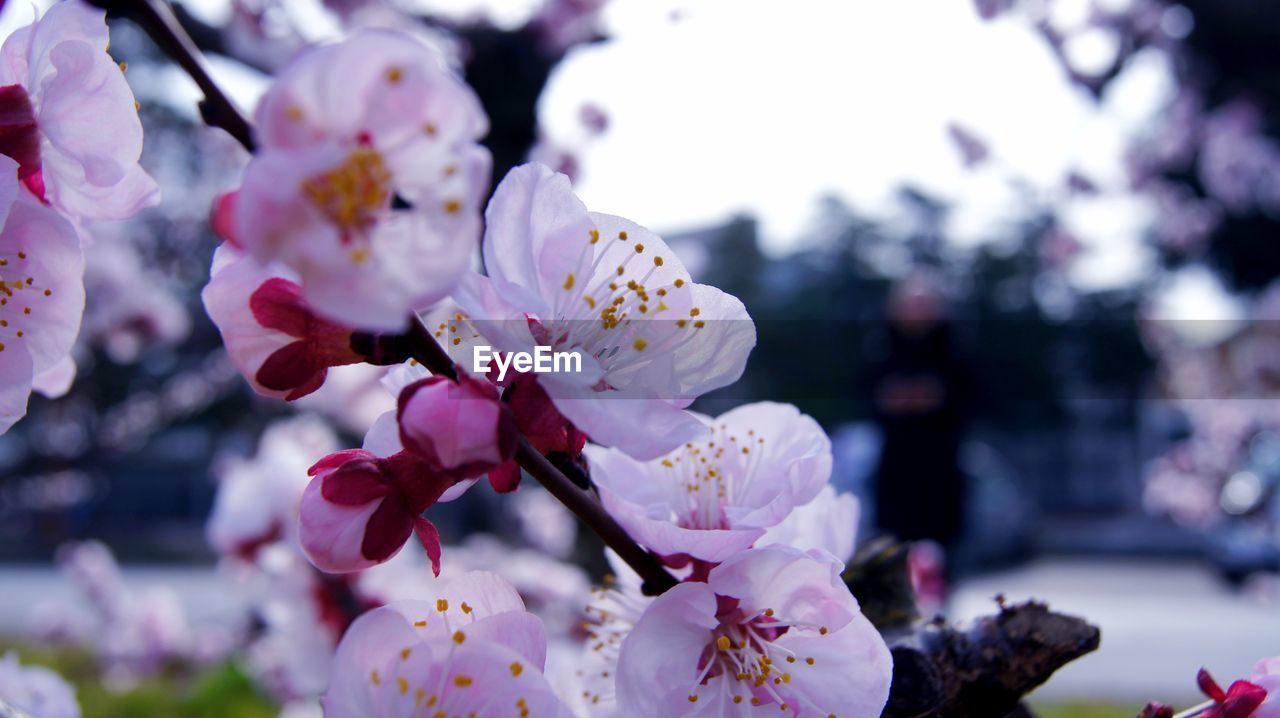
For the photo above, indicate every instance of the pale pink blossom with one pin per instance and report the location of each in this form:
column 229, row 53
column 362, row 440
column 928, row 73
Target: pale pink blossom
column 70, row 117
column 770, row 627
column 37, row 691
column 1267, row 675
column 829, row 523
column 131, row 308
column 650, row 340
column 368, row 179
column 270, row 332
column 41, row 294
column 474, row 651
column 258, row 497
column 712, row 498
column 360, row 509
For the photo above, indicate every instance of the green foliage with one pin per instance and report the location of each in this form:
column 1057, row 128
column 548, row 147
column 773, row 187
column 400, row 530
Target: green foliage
column 221, row 691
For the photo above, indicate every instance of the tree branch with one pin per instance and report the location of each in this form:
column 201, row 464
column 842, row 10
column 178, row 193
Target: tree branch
column 158, row 20
column 425, row 349
column 160, row 23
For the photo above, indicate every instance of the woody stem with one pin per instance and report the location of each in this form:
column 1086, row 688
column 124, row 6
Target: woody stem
column 159, row 22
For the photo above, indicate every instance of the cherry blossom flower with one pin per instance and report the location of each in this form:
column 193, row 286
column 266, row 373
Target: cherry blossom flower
column 41, row 294
column 1267, row 676
column 363, row 504
column 474, row 651
column 35, row 690
column 771, row 626
column 359, row 509
column 349, row 133
column 651, row 341
column 257, row 500
column 710, row 499
column 69, row 117
column 273, row 337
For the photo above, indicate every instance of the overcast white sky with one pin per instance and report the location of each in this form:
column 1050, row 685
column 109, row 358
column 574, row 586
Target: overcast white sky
column 763, row 107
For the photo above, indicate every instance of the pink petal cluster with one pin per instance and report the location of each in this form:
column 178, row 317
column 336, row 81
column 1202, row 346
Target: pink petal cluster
column 712, row 498
column 36, row 691
column 273, row 337
column 1266, row 675
column 771, row 627
column 651, row 340
column 459, row 426
column 368, row 179
column 41, row 294
column 70, row 139
column 257, row 499
column 363, row 504
column 68, row 117
column 475, row 651
column 359, row 509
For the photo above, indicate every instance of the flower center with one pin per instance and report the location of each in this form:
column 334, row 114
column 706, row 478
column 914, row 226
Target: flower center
column 711, row 475
column 743, row 650
column 605, row 309
column 18, row 293
column 353, row 194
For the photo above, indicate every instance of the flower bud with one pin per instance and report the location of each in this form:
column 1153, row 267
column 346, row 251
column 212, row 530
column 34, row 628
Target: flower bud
column 359, row 509
column 461, row 428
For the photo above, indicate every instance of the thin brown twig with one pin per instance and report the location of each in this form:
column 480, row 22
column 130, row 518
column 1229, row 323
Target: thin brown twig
column 158, row 20
column 160, row 23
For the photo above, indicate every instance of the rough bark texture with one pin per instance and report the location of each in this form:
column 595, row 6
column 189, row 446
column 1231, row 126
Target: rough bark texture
column 941, row 671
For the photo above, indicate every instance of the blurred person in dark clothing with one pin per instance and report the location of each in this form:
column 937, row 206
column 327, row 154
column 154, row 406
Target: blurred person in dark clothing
column 921, row 391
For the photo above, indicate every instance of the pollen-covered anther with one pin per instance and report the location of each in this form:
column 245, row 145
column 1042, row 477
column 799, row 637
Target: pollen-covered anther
column 353, row 194
column 442, row 604
column 462, row 681
column 459, row 637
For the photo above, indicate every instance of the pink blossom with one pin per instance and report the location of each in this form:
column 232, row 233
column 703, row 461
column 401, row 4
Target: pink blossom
column 269, row 330
column 771, row 626
column 360, row 509
column 41, row 294
column 35, row 690
column 1267, row 675
column 651, row 341
column 829, row 523
column 710, row 499
column 349, row 132
column 69, row 117
column 474, row 651
column 460, row 427
column 257, row 500
column 1240, row 700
